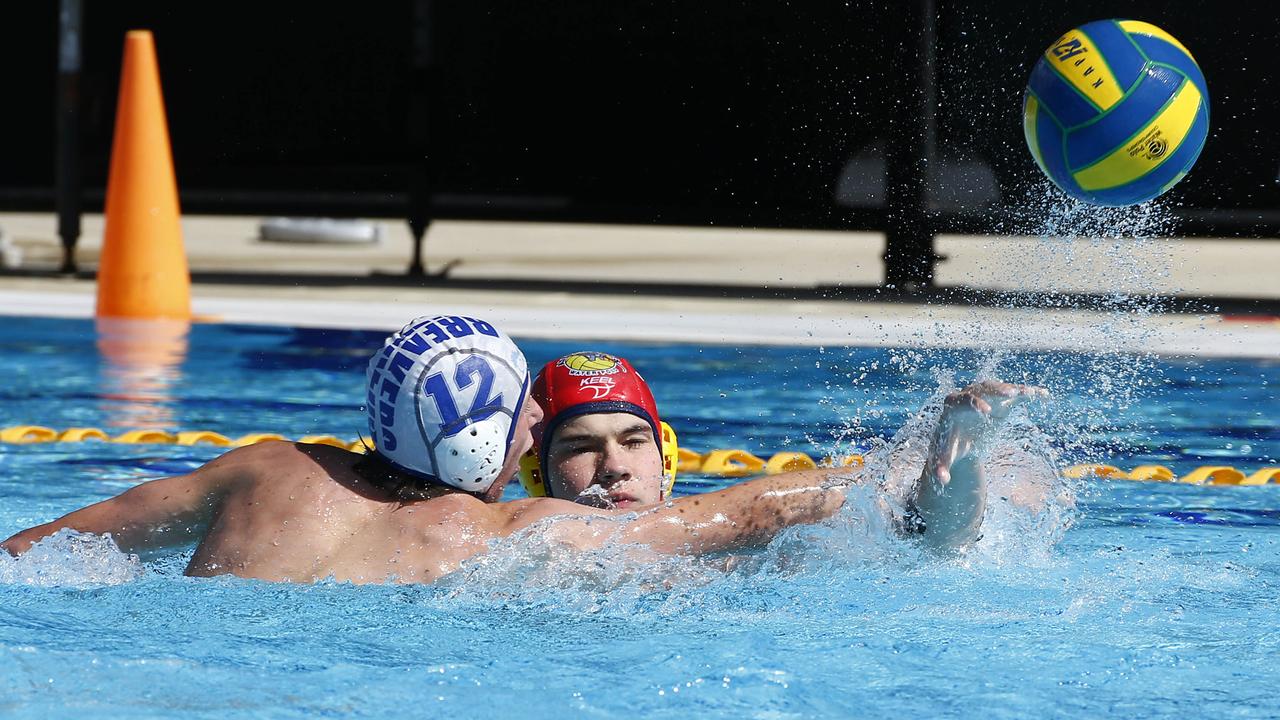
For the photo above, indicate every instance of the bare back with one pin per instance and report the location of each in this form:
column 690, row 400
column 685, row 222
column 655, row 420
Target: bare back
column 291, row 512
column 288, row 512
column 304, row 514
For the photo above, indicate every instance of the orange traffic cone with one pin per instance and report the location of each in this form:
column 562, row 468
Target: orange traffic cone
column 143, row 269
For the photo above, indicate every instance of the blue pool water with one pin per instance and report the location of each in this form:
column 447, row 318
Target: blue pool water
column 1144, row 600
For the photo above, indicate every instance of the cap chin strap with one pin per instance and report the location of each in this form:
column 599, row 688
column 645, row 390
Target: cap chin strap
column 472, row 459
column 534, row 481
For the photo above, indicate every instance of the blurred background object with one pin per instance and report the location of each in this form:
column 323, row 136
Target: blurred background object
column 902, row 118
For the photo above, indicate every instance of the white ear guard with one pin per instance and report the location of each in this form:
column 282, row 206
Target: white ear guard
column 471, row 459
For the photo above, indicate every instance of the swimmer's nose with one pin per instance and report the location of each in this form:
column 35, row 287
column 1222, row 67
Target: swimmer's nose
column 535, row 410
column 614, row 465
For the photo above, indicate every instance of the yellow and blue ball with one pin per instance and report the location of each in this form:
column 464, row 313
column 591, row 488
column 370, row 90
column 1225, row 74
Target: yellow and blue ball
column 1116, row 112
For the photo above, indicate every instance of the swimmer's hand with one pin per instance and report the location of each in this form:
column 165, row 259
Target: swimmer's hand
column 970, row 416
column 949, row 500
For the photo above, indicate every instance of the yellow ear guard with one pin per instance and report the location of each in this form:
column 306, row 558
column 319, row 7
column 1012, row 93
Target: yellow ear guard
column 531, row 477
column 670, row 459
column 531, row 474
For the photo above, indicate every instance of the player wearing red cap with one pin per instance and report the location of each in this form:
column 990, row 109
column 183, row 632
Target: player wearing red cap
column 601, row 443
column 601, row 435
column 448, row 413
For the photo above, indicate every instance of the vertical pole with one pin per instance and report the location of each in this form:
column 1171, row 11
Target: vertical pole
column 909, row 257
column 419, row 133
column 68, row 151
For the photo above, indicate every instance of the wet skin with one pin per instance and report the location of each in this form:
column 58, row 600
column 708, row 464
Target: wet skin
column 289, row 511
column 614, row 454
column 292, row 512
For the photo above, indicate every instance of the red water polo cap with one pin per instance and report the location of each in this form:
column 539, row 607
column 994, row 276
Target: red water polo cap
column 583, row 383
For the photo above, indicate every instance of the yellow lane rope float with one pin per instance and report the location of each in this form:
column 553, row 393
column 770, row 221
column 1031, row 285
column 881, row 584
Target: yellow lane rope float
column 721, row 463
column 40, row 434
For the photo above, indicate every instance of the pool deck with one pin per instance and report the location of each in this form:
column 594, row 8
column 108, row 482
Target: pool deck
column 706, row 285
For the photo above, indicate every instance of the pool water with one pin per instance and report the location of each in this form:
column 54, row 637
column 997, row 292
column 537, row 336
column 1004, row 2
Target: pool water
column 1142, row 600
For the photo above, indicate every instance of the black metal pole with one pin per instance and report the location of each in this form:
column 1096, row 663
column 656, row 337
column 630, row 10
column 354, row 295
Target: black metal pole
column 909, row 257
column 419, row 133
column 68, row 151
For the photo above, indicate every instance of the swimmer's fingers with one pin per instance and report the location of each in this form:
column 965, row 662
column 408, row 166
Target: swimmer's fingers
column 969, row 416
column 1014, row 395
column 999, row 389
column 970, row 398
column 999, row 397
column 1029, row 392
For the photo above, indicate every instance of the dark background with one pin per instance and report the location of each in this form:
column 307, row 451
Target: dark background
column 680, row 112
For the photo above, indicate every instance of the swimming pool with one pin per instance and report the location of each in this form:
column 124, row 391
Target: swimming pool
column 1157, row 601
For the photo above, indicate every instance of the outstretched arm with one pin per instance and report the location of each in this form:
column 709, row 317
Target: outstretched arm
column 746, row 514
column 946, row 507
column 950, row 498
column 154, row 514
column 749, row 513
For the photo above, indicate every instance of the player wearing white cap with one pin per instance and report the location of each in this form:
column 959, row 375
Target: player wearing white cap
column 450, row 416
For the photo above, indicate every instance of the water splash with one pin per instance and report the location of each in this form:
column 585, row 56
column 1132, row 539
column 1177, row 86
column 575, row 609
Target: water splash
column 595, row 496
column 71, row 559
column 1030, row 505
column 1105, row 384
column 532, row 571
column 1095, row 385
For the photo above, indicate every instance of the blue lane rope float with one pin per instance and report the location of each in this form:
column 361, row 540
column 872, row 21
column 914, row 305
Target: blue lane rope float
column 720, row 462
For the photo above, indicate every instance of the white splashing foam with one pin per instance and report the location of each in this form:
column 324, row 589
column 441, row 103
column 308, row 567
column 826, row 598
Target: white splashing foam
column 1029, row 504
column 71, row 559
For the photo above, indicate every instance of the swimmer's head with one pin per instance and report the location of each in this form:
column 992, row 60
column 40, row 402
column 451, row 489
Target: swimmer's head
column 601, row 434
column 447, row 403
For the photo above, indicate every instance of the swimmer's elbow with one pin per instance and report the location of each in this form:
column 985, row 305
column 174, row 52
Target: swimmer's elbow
column 12, row 547
column 22, row 541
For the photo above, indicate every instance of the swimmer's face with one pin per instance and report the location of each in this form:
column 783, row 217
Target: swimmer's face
column 614, row 452
column 521, row 441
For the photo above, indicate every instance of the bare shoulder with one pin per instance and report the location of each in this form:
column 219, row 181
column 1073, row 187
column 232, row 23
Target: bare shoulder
column 533, row 509
column 519, row 514
column 458, row 504
column 451, row 524
column 280, row 461
column 258, row 455
column 457, row 515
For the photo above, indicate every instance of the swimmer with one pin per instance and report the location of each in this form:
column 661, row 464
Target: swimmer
column 449, row 410
column 600, row 440
column 601, row 443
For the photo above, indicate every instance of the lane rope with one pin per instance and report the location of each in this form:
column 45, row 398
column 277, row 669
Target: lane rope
column 720, row 462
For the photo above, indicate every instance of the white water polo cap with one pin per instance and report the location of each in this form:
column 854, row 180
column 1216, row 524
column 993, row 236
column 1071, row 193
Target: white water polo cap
column 445, row 394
